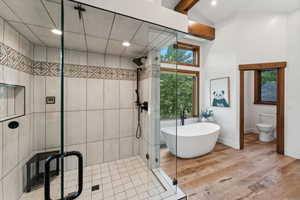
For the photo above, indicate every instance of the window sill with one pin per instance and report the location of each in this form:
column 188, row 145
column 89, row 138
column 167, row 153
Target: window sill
column 265, row 103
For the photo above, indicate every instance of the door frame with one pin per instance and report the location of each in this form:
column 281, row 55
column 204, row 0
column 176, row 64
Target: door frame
column 280, row 110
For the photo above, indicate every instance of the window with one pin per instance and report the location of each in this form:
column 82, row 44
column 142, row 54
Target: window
column 265, row 87
column 186, row 85
column 182, row 54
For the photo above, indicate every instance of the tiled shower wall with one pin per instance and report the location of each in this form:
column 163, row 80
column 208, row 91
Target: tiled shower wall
column 100, row 115
column 16, row 55
column 99, row 105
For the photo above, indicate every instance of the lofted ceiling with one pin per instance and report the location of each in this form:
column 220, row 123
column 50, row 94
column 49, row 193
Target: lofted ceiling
column 97, row 31
column 226, row 8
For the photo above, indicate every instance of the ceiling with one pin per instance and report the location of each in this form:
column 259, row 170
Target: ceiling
column 97, row 31
column 226, row 8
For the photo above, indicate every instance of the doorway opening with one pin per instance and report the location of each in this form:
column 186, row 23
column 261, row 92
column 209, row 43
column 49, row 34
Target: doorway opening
column 279, row 68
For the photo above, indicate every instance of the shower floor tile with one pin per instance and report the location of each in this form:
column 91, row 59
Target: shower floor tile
column 122, row 179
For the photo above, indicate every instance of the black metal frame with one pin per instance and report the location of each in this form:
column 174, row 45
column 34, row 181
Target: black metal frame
column 72, row 195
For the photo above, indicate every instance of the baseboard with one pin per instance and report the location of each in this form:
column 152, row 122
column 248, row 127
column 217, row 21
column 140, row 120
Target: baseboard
column 228, row 142
column 250, row 130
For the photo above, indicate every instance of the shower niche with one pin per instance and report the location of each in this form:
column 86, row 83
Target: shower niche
column 12, row 101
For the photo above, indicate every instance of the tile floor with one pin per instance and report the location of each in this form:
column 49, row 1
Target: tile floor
column 118, row 180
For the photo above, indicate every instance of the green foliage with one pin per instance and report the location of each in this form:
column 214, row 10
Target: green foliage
column 268, row 76
column 175, row 89
column 172, row 55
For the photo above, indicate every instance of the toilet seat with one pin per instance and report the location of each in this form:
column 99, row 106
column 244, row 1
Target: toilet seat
column 264, row 125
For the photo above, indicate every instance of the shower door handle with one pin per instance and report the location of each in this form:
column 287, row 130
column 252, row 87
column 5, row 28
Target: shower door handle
column 72, row 195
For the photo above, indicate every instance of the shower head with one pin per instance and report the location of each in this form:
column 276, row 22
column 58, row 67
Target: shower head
column 139, row 61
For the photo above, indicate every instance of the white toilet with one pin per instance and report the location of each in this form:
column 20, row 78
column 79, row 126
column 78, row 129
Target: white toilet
column 266, row 127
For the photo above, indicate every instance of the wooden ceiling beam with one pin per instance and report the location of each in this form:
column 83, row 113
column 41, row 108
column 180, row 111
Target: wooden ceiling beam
column 185, row 5
column 202, row 30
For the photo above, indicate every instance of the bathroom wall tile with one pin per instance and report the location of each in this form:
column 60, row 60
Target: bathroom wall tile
column 1, row 29
column 11, row 101
column 127, row 94
column 40, row 53
column 111, row 94
column 10, row 76
column 10, row 147
column 94, row 94
column 11, row 185
column 75, row 123
column 53, row 89
column 1, row 187
column 39, row 93
column 111, row 124
column 127, row 63
column 77, row 57
column 75, row 94
column 24, row 80
column 94, row 153
column 1, row 72
column 72, row 162
column 52, row 129
column 94, row 125
column 11, row 37
column 136, row 146
column 95, row 59
column 53, row 55
column 39, row 131
column 24, row 138
column 24, row 46
column 126, row 123
column 126, row 147
column 111, row 150
column 3, row 101
column 112, row 61
column 1, row 149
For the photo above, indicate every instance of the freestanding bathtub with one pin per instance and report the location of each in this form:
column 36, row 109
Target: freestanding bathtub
column 192, row 140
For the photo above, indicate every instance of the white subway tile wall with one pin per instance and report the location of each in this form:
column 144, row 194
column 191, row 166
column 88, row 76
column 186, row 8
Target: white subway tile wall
column 100, row 114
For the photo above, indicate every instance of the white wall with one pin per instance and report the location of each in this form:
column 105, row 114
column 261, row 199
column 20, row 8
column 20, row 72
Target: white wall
column 245, row 38
column 292, row 86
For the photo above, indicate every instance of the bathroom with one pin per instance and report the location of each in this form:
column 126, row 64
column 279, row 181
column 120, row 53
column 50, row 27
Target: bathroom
column 101, row 100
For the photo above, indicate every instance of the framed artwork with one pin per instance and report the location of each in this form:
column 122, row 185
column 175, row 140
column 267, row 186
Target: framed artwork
column 220, row 92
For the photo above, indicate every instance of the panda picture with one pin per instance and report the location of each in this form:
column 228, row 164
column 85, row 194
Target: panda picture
column 219, row 92
column 219, row 99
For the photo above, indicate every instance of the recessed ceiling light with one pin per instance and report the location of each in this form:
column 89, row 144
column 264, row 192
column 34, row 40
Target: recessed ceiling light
column 56, row 31
column 214, row 2
column 126, row 44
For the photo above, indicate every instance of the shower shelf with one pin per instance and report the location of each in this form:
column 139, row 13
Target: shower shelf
column 12, row 101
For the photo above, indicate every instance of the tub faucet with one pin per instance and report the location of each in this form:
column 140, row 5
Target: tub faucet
column 183, row 116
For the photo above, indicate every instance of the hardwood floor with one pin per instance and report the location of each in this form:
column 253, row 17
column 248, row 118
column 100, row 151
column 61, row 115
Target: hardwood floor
column 257, row 172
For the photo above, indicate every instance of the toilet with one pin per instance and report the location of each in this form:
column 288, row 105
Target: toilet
column 266, row 127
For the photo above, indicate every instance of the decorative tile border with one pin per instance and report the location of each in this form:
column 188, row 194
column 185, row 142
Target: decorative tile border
column 15, row 60
column 83, row 71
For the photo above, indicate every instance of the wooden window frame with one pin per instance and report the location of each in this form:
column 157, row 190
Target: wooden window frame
column 196, row 92
column 196, row 54
column 257, row 88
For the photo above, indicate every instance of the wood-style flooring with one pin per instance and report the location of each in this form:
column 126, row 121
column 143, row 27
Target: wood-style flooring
column 257, row 172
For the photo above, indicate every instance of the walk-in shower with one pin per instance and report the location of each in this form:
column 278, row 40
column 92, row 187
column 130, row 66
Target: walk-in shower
column 91, row 80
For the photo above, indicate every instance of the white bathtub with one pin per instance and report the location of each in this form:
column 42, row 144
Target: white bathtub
column 192, row 140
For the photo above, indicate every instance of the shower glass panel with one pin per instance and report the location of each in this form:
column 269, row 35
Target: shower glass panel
column 104, row 106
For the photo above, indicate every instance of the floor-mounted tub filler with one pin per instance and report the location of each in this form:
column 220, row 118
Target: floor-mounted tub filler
column 192, row 140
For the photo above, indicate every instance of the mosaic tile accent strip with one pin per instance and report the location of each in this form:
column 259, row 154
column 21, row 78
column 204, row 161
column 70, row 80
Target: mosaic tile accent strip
column 15, row 60
column 83, row 71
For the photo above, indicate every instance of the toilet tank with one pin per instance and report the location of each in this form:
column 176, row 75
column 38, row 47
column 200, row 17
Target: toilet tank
column 267, row 118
